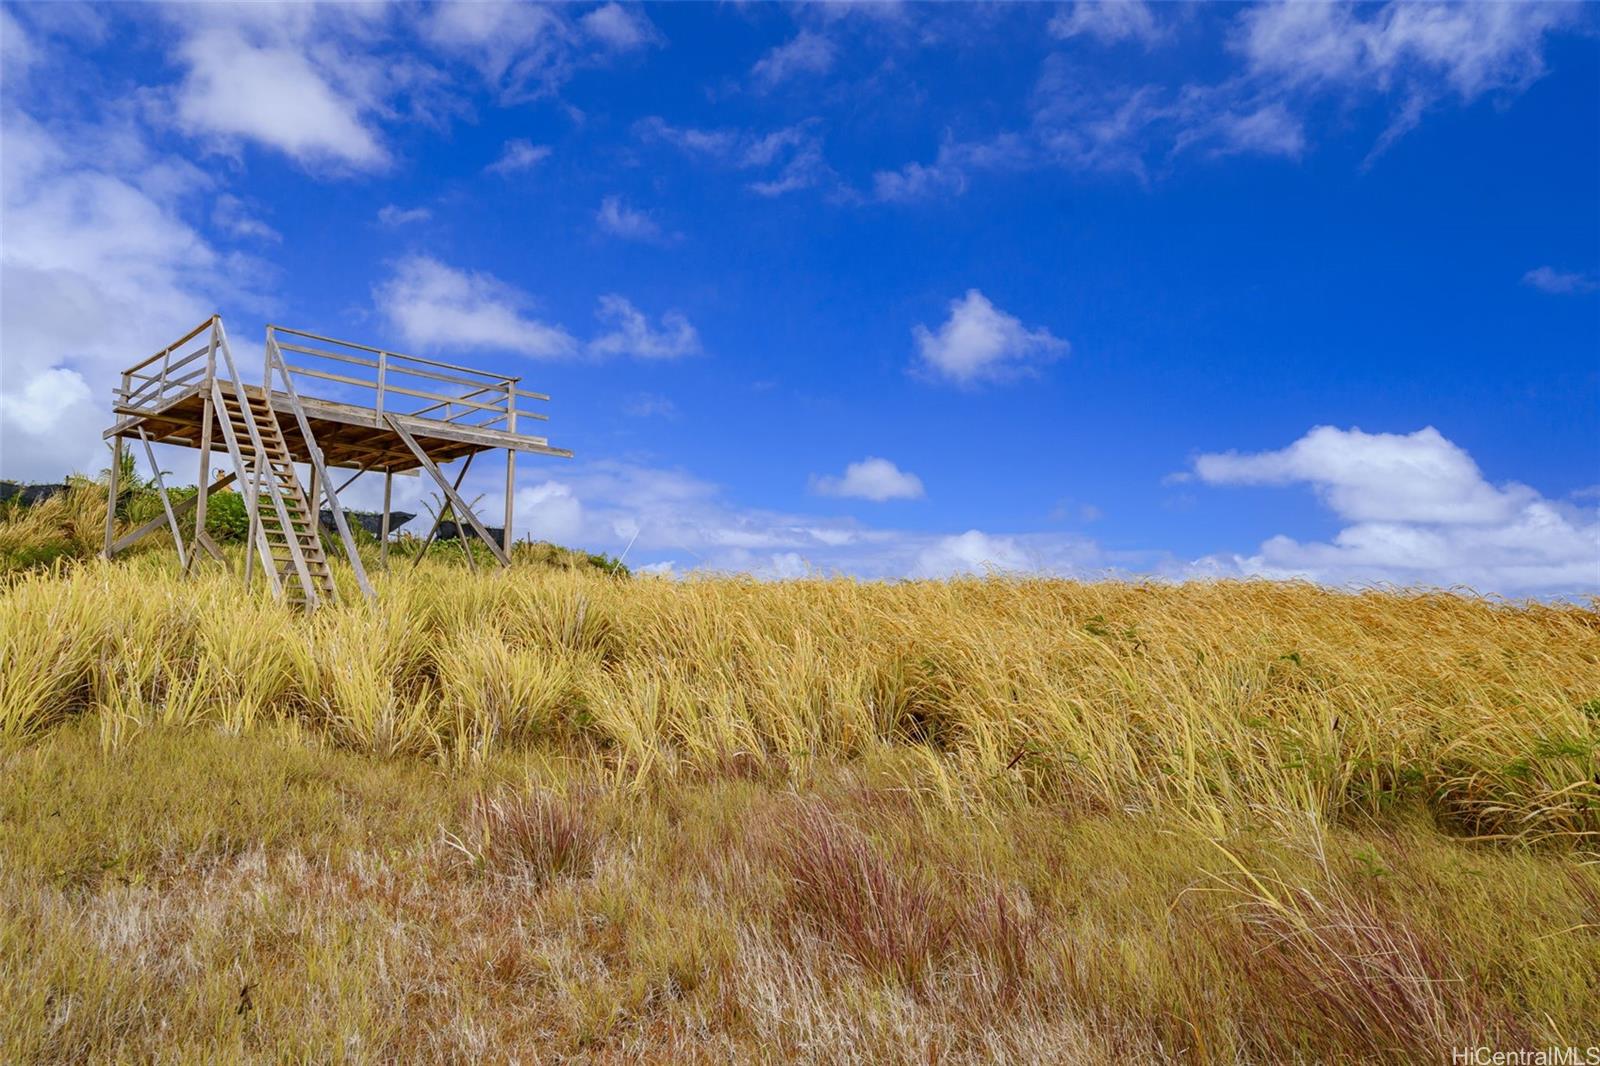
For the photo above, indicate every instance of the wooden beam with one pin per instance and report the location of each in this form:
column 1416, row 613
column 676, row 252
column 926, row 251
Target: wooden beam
column 111, row 495
column 201, row 483
column 438, row 519
column 127, row 540
column 457, row 504
column 166, row 504
column 383, row 535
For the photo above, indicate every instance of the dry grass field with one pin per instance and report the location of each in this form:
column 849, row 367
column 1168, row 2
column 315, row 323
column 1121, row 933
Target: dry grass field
column 548, row 814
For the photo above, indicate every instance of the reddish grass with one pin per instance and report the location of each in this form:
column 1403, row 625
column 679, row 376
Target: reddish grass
column 893, row 923
column 535, row 835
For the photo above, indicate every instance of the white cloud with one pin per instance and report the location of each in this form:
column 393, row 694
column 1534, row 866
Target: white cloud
column 260, row 79
column 1383, row 477
column 392, row 215
column 620, row 220
column 630, row 332
column 520, row 49
column 97, row 270
column 1421, row 513
column 980, row 342
column 518, row 155
column 870, row 479
column 439, row 307
column 677, row 522
column 808, row 53
column 619, row 28
column 1560, row 282
column 548, row 511
column 1109, row 21
column 1420, row 54
column 972, row 552
column 1469, row 49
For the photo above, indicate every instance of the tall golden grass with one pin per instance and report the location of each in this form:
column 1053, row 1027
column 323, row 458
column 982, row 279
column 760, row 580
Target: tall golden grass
column 552, row 812
column 1229, row 702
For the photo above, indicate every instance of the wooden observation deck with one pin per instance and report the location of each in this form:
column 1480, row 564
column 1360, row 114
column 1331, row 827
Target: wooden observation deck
column 325, row 404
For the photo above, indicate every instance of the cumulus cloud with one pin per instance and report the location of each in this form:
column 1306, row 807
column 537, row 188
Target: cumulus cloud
column 1560, row 282
column 1420, row 512
column 548, row 511
column 436, row 306
column 1415, row 477
column 619, row 28
column 260, row 76
column 618, row 219
column 972, row 552
column 871, row 479
column 979, row 342
column 98, row 269
column 808, row 53
column 518, row 155
column 629, row 332
column 673, row 522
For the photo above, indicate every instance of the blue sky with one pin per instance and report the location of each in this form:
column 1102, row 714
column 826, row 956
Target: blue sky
column 879, row 288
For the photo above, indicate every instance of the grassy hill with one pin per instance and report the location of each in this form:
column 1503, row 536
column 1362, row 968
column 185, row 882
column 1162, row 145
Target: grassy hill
column 548, row 812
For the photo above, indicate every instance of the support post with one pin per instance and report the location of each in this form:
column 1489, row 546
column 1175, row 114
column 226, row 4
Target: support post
column 316, row 499
column 383, row 535
column 511, row 462
column 111, row 492
column 203, row 482
column 166, row 503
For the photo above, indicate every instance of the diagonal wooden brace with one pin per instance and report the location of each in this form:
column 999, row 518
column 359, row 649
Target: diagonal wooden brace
column 457, row 504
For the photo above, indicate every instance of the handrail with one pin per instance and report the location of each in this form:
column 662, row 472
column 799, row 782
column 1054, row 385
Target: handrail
column 180, row 342
column 435, row 390
column 324, row 482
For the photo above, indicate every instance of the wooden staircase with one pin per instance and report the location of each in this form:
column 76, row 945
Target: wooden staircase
column 286, row 534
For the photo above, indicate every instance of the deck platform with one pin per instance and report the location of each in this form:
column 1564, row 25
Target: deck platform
column 329, row 405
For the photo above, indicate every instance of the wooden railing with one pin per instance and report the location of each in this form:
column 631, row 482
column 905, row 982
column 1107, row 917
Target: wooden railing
column 336, row 371
column 189, row 361
column 394, row 383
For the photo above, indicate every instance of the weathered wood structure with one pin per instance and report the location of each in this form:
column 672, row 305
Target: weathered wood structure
column 324, row 404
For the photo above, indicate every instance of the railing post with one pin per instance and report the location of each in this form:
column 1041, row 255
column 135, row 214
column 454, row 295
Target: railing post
column 383, row 372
